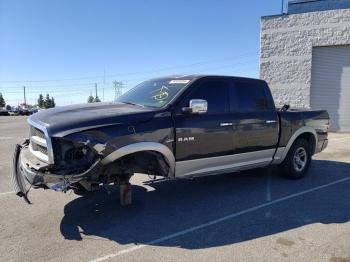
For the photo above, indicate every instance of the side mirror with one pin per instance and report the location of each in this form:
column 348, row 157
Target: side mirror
column 198, row 106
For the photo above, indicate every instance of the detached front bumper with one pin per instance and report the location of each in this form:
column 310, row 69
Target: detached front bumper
column 28, row 172
column 18, row 179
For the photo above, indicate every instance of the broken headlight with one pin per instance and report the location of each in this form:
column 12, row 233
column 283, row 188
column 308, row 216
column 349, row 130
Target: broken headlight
column 72, row 154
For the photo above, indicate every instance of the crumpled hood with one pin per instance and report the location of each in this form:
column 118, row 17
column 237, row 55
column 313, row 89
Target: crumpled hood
column 59, row 120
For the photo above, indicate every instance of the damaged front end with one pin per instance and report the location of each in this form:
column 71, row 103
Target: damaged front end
column 84, row 158
column 31, row 172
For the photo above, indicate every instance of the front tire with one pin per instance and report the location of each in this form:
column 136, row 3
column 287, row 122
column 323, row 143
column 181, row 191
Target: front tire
column 298, row 160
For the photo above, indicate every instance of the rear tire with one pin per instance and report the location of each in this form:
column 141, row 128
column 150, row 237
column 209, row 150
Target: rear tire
column 298, row 160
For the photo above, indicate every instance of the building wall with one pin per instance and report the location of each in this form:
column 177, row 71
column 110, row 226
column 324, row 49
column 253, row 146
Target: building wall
column 303, row 6
column 286, row 50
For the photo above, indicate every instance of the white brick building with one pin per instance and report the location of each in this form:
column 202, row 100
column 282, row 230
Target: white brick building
column 305, row 57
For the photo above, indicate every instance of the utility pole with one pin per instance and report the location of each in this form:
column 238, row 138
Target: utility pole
column 118, row 86
column 104, row 75
column 104, row 84
column 282, row 10
column 25, row 98
column 96, row 90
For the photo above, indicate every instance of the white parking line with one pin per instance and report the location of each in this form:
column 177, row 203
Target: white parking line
column 7, row 193
column 339, row 139
column 216, row 221
column 268, row 192
column 268, row 187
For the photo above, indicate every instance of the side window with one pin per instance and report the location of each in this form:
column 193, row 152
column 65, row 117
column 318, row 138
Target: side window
column 216, row 94
column 249, row 96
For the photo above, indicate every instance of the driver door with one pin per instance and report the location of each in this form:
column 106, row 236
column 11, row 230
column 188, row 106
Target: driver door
column 203, row 140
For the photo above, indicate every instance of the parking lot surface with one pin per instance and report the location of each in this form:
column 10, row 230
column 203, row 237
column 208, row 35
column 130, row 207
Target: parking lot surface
column 251, row 216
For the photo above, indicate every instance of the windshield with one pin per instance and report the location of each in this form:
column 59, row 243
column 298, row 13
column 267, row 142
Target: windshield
column 154, row 93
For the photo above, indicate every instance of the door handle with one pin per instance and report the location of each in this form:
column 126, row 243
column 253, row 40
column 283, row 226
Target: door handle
column 226, row 124
column 270, row 121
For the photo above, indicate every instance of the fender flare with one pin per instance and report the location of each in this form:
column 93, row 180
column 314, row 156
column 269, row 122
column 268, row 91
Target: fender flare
column 143, row 146
column 300, row 131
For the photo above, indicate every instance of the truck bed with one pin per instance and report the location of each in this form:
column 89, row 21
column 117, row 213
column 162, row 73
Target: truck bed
column 294, row 119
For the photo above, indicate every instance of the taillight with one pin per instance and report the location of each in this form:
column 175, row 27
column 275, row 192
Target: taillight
column 328, row 126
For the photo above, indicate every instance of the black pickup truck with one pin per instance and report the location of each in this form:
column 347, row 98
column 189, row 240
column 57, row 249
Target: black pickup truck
column 175, row 127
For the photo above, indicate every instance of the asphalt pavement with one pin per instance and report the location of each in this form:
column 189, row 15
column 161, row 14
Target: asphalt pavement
column 250, row 216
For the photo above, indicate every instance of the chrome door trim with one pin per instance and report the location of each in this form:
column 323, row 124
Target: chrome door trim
column 231, row 163
column 226, row 124
column 271, row 121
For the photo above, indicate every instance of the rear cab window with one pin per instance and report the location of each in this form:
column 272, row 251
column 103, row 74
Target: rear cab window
column 249, row 96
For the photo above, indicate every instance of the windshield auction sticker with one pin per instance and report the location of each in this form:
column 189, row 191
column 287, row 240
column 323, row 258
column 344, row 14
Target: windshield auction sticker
column 179, row 81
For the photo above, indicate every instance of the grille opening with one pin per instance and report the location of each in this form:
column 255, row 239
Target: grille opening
column 37, row 132
column 39, row 148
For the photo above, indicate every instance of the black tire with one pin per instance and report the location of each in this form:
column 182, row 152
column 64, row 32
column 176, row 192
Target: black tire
column 295, row 166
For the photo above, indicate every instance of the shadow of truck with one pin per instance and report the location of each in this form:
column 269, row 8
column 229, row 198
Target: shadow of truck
column 177, row 205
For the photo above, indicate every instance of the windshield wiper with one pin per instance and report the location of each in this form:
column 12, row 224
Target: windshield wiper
column 134, row 104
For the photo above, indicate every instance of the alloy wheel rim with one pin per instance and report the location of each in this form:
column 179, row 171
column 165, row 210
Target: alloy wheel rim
column 300, row 159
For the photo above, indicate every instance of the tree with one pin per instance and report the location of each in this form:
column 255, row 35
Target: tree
column 90, row 99
column 47, row 102
column 41, row 102
column 53, row 104
column 97, row 99
column 2, row 101
column 8, row 107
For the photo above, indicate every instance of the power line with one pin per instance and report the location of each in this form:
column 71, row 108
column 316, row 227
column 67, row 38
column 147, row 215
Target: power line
column 118, row 92
column 230, row 69
column 57, row 85
column 48, row 91
column 131, row 73
column 123, row 80
column 87, row 89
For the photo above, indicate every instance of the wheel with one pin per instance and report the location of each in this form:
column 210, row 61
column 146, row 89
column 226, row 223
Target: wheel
column 298, row 160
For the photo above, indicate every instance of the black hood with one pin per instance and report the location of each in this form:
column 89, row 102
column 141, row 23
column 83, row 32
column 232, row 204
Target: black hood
column 67, row 119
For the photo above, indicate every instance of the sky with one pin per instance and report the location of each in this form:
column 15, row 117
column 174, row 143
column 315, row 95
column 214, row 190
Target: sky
column 65, row 47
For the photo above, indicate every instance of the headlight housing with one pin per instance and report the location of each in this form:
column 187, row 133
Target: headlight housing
column 72, row 154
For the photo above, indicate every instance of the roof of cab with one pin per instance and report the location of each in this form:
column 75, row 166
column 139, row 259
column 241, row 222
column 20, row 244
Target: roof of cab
column 198, row 76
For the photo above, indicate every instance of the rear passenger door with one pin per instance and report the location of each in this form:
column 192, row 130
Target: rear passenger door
column 256, row 126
